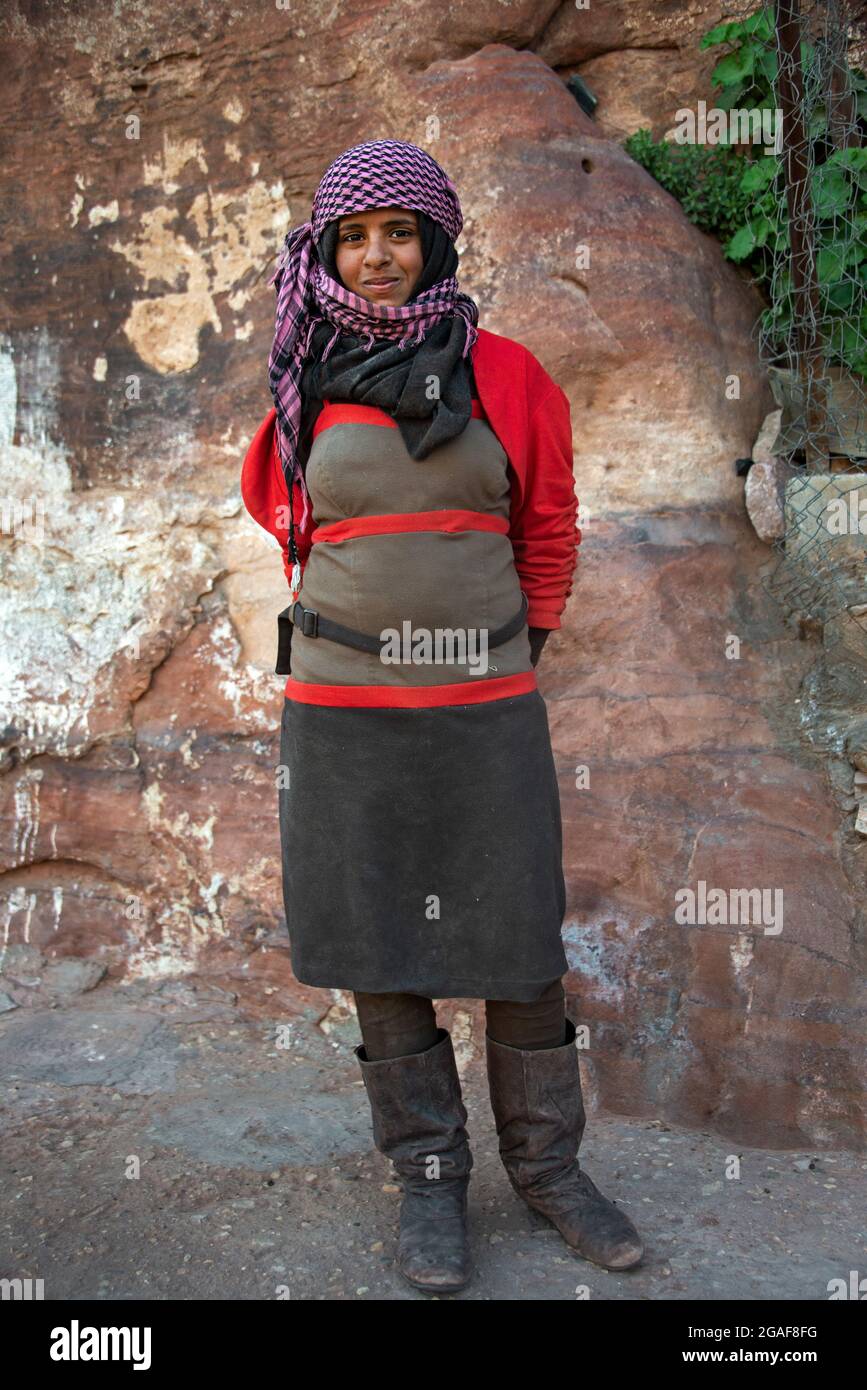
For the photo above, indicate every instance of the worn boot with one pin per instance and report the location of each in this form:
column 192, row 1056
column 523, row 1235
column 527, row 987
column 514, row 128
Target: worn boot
column 539, row 1113
column 418, row 1122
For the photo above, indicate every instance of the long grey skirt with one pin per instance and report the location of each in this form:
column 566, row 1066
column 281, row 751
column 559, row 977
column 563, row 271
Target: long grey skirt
column 422, row 848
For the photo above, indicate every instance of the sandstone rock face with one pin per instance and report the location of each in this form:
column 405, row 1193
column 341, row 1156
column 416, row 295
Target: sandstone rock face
column 161, row 154
column 679, row 764
column 641, row 61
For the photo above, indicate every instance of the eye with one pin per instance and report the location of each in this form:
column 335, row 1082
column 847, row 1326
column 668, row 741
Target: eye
column 402, row 232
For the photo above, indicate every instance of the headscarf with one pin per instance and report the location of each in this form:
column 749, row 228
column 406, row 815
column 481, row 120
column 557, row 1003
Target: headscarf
column 317, row 314
column 393, row 378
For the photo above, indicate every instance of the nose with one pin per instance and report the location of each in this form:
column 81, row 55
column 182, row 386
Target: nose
column 378, row 252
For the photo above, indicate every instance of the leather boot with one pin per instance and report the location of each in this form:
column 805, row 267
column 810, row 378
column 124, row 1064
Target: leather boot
column 539, row 1113
column 418, row 1122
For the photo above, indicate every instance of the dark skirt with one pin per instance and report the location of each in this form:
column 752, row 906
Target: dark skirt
column 422, row 848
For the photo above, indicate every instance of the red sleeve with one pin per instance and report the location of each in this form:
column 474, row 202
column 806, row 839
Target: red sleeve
column 543, row 528
column 263, row 488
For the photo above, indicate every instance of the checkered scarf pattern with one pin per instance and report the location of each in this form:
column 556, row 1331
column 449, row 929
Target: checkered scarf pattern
column 377, row 174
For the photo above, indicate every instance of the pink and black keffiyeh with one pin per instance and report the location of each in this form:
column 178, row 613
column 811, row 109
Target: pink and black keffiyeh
column 379, row 173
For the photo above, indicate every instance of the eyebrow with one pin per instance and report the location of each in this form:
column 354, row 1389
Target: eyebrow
column 392, row 222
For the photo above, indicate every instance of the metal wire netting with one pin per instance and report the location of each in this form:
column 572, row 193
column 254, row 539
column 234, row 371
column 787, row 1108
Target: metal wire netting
column 807, row 241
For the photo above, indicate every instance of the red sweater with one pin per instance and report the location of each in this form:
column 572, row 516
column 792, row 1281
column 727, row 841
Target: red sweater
column 529, row 414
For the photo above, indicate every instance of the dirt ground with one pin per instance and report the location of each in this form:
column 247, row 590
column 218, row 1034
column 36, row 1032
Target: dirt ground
column 157, row 1143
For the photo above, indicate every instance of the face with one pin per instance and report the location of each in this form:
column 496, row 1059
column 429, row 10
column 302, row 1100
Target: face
column 383, row 245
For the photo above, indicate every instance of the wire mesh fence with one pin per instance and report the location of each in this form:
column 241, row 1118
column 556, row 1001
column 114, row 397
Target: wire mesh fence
column 801, row 67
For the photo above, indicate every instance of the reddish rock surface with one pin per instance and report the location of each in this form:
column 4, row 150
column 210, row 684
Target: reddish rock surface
column 640, row 60
column 141, row 713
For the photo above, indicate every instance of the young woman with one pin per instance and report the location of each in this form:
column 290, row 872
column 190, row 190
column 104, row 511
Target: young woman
column 417, row 473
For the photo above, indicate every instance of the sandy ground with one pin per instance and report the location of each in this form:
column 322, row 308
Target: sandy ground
column 157, row 1143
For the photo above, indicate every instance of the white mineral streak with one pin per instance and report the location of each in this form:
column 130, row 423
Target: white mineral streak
column 25, row 827
column 83, row 596
column 19, row 904
column 106, row 212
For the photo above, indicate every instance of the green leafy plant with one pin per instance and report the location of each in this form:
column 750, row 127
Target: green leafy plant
column 705, row 179
column 737, row 192
column 747, row 74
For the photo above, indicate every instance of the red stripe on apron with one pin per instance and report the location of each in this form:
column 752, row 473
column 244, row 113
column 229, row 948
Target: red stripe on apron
column 411, row 697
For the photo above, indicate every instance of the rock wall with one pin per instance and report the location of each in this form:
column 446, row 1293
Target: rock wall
column 160, row 154
column 641, row 61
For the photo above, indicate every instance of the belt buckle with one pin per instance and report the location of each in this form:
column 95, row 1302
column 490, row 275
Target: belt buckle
column 309, row 622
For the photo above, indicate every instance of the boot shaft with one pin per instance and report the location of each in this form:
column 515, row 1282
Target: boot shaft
column 418, row 1113
column 538, row 1107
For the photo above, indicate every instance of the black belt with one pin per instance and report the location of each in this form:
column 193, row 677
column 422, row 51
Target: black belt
column 312, row 624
